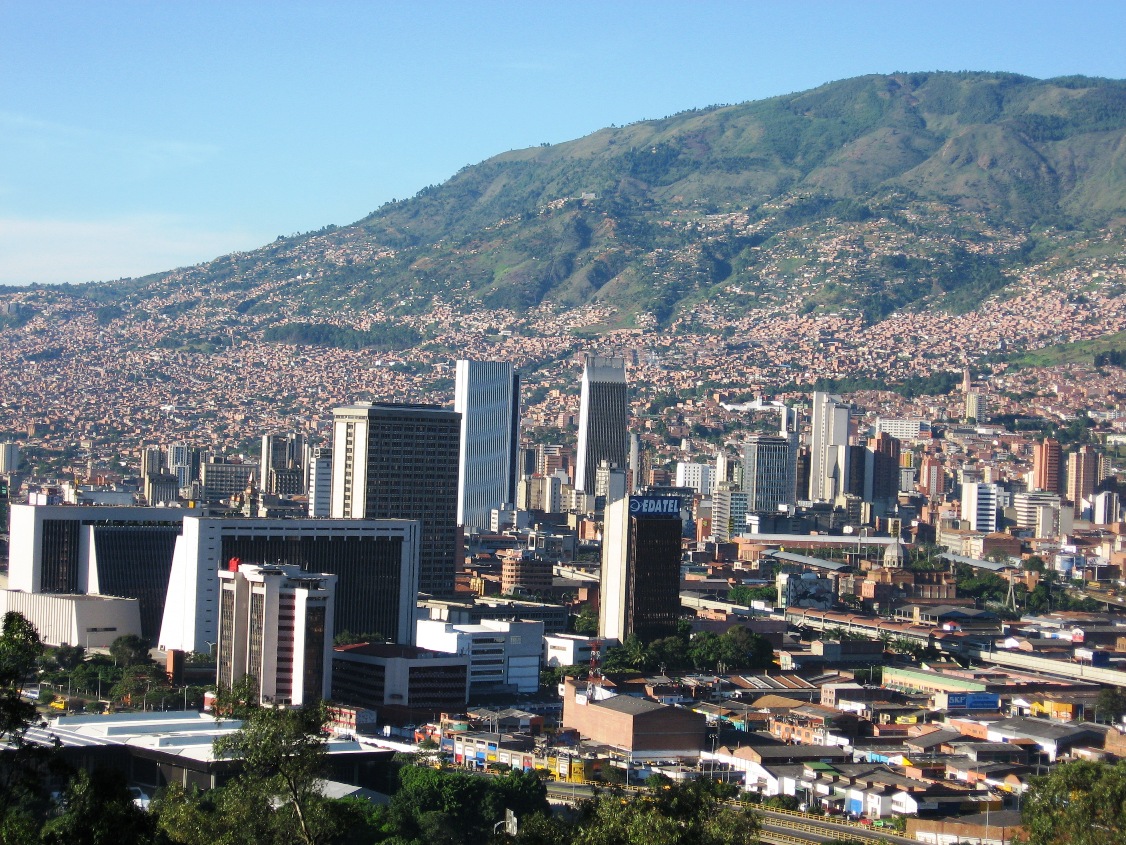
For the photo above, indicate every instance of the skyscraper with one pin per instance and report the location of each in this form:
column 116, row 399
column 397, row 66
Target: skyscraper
column 9, row 458
column 828, row 472
column 979, row 505
column 1047, row 458
column 399, row 461
column 319, row 464
column 487, row 395
column 281, row 467
column 769, row 464
column 640, row 564
column 276, row 624
column 1082, row 476
column 603, row 433
column 183, row 462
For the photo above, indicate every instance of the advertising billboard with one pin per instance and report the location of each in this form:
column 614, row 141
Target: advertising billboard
column 667, row 507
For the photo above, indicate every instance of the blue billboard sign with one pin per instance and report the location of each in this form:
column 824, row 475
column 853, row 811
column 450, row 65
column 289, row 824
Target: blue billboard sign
column 972, row 701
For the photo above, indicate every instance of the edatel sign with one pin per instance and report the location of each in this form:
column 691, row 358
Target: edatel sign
column 665, row 506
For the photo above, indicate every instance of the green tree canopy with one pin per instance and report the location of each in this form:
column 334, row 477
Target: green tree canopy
column 1079, row 803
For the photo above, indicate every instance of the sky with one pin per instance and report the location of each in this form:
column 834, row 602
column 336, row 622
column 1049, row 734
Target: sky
column 137, row 137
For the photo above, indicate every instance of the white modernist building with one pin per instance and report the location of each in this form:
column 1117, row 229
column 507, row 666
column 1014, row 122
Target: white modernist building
column 503, row 656
column 93, row 549
column 88, row 621
column 487, row 395
column 319, row 467
column 275, row 624
column 375, row 562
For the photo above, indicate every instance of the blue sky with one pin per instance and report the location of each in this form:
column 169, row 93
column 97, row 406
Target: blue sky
column 141, row 136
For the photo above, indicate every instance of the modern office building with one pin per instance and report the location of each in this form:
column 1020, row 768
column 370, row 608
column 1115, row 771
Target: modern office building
column 487, row 395
column 979, row 505
column 881, row 469
column 729, row 512
column 504, row 657
column 769, row 466
column 1105, row 509
column 700, row 477
column 392, row 461
column 976, row 406
column 275, row 625
column 375, row 563
column 640, row 564
column 221, row 480
column 1047, row 463
column 401, row 683
column 9, row 458
column 828, row 473
column 183, row 462
column 112, row 551
column 320, row 481
column 903, row 429
column 281, row 468
column 603, row 419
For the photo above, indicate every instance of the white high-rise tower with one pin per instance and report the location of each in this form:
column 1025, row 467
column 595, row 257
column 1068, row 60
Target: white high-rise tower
column 828, row 448
column 603, row 413
column 487, row 395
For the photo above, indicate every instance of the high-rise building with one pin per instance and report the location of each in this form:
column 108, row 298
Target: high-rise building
column 319, row 465
column 729, row 512
column 699, row 477
column 282, row 454
column 152, row 461
column 881, row 477
column 828, row 473
column 603, row 419
column 932, row 478
column 640, row 564
column 979, row 505
column 9, row 458
column 222, row 480
column 1082, row 476
column 1105, row 508
column 487, row 395
column 769, row 464
column 1047, row 459
column 183, row 462
column 375, row 563
column 976, row 406
column 398, row 461
column 275, row 625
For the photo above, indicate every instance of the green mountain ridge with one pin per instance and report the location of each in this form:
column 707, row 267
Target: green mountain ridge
column 872, row 194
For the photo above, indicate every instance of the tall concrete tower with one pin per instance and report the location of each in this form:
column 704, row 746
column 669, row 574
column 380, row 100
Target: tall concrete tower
column 603, row 413
column 487, row 395
column 828, row 472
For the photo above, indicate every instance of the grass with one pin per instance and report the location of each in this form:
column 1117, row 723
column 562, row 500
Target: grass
column 1080, row 352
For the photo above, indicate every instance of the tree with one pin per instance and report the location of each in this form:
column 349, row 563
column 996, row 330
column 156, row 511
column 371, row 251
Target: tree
column 283, row 757
column 20, row 767
column 586, row 623
column 98, row 810
column 691, row 813
column 129, row 650
column 69, row 657
column 1110, row 704
column 1079, row 803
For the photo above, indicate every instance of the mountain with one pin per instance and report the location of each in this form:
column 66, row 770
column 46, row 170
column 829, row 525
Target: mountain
column 868, row 195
